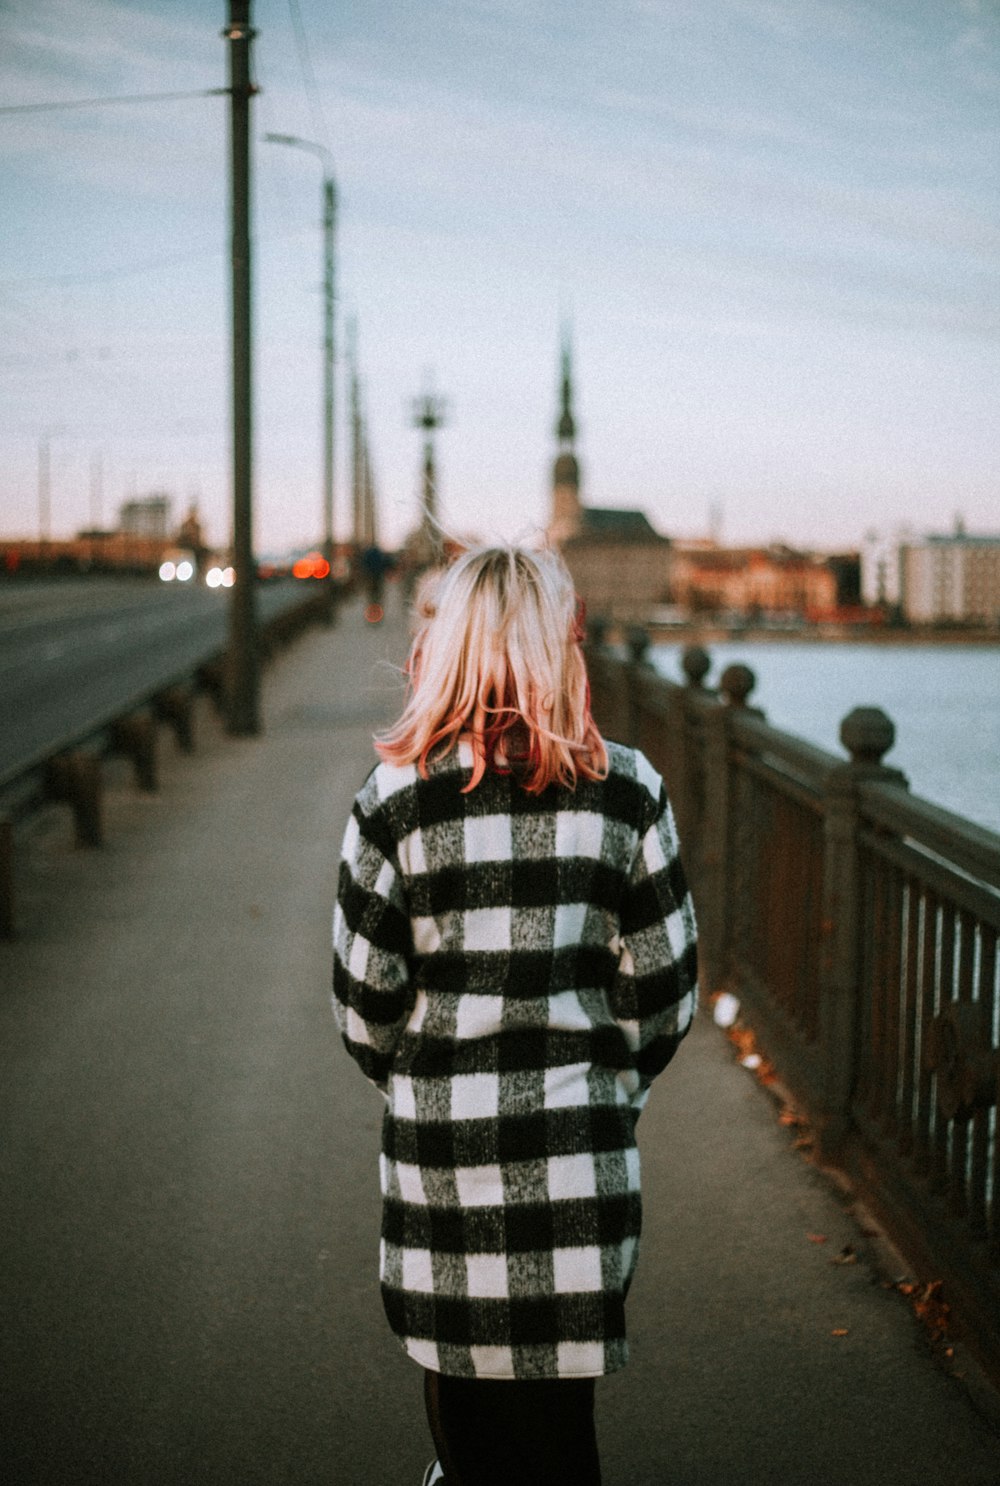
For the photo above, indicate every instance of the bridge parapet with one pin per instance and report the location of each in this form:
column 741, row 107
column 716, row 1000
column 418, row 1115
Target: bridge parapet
column 67, row 768
column 857, row 926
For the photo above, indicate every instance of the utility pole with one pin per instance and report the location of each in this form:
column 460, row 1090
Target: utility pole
column 96, row 489
column 44, row 488
column 357, row 446
column 371, row 514
column 329, row 324
column 329, row 227
column 242, row 669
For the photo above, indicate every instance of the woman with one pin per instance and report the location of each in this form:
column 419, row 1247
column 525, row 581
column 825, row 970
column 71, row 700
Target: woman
column 514, row 963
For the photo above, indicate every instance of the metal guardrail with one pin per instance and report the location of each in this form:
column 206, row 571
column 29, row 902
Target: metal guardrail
column 69, row 768
column 857, row 925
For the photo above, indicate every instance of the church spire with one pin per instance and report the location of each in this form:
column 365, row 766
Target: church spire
column 566, row 427
column 566, row 518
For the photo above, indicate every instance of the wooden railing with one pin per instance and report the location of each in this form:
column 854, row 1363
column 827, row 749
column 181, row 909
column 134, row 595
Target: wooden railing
column 857, row 926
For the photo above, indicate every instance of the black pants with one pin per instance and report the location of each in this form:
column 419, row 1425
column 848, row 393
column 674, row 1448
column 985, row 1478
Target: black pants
column 517, row 1432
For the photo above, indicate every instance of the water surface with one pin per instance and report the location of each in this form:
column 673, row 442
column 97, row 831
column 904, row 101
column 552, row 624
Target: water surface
column 943, row 699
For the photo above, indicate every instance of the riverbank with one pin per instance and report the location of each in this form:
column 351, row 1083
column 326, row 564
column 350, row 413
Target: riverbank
column 832, row 634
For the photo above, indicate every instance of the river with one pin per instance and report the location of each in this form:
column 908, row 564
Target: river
column 943, row 699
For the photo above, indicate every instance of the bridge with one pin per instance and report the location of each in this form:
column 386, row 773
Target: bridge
column 189, row 1223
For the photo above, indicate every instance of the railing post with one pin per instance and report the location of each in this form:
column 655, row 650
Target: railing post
column 211, row 678
column 637, row 642
column 135, row 736
column 677, row 771
column 867, row 733
column 76, row 778
column 608, row 683
column 176, row 706
column 728, row 854
column 710, row 855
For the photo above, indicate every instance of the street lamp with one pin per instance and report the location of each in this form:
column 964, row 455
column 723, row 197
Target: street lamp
column 329, row 219
column 428, row 414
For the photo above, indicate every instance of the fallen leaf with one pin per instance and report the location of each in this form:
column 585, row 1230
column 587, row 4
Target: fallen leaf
column 745, row 1043
column 726, row 1009
column 929, row 1305
column 932, row 1309
column 840, row 1331
column 816, row 1237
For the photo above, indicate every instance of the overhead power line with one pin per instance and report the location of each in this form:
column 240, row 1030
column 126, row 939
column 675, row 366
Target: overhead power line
column 36, row 108
column 308, row 75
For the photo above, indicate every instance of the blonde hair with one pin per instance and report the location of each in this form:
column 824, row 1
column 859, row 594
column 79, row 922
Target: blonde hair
column 496, row 658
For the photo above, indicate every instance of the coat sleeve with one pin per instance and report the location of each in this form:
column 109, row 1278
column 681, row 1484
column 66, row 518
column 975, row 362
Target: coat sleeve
column 655, row 993
column 372, row 991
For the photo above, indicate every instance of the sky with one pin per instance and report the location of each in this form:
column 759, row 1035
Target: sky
column 772, row 225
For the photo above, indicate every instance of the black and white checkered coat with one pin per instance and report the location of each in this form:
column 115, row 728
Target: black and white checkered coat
column 511, row 971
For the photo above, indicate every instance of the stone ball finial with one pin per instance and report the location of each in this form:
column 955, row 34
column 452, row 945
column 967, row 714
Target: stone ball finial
column 597, row 629
column 736, row 683
column 867, row 733
column 696, row 664
column 637, row 642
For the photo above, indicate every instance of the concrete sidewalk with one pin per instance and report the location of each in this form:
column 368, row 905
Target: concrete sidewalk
column 189, row 1219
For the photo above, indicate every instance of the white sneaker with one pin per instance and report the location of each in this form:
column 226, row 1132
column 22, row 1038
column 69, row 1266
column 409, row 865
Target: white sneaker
column 433, row 1473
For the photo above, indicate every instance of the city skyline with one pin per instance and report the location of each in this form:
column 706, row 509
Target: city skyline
column 773, row 228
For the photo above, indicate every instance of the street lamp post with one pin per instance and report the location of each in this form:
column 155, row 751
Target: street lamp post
column 45, row 438
column 329, row 301
column 428, row 415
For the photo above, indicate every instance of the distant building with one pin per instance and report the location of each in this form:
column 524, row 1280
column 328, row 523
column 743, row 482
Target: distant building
column 143, row 537
column 619, row 562
column 89, row 551
column 880, row 567
column 952, row 578
column 148, row 516
column 754, row 581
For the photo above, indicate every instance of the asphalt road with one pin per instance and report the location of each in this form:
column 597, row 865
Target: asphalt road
column 78, row 651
